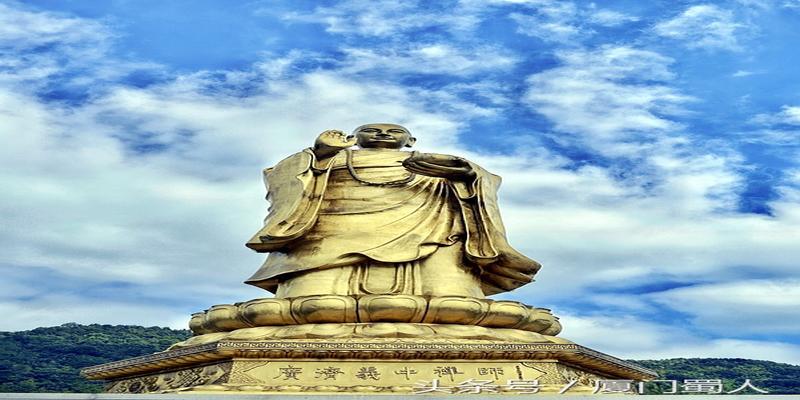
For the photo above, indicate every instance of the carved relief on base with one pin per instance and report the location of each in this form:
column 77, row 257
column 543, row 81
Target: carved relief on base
column 185, row 378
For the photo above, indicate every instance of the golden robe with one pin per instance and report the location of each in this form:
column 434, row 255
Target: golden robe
column 322, row 217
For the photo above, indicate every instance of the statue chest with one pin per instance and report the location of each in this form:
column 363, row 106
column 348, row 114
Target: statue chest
column 369, row 173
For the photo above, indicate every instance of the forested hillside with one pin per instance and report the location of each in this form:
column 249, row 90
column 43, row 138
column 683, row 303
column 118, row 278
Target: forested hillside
column 49, row 359
column 777, row 378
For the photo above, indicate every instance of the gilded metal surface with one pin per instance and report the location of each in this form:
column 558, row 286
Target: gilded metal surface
column 349, row 376
column 375, row 308
column 379, row 220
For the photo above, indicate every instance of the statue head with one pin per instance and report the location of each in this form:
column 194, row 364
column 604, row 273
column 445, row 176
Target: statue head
column 383, row 136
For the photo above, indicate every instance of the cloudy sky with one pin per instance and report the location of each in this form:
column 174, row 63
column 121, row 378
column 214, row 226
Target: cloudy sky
column 650, row 151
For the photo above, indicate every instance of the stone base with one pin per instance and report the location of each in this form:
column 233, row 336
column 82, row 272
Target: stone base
column 360, row 365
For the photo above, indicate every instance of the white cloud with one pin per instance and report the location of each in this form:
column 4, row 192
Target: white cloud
column 741, row 307
column 631, row 338
column 757, row 4
column 494, row 92
column 593, row 231
column 611, row 18
column 385, row 18
column 704, row 26
column 52, row 310
column 20, row 29
column 774, row 138
column 780, row 131
column 71, row 43
column 742, row 73
column 564, row 22
column 794, row 176
column 606, row 94
column 549, row 31
column 23, row 32
column 433, row 58
column 551, row 21
column 789, row 115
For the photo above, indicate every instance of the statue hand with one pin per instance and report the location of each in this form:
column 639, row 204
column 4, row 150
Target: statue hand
column 440, row 166
column 331, row 142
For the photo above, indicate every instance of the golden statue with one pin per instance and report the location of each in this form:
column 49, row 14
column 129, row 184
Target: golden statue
column 378, row 220
column 380, row 260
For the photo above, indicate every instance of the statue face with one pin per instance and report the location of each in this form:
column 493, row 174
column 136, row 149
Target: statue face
column 383, row 136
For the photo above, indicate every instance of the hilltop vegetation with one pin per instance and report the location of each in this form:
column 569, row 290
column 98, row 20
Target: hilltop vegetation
column 50, row 359
column 777, row 378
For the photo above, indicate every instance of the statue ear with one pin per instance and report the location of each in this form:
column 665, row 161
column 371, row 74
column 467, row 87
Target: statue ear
column 411, row 141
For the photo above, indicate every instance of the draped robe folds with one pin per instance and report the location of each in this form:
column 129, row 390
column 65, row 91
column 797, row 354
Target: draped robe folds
column 322, row 217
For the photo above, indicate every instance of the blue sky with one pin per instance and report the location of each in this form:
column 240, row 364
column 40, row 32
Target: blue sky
column 649, row 151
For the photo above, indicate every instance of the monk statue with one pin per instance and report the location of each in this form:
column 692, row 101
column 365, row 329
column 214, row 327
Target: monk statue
column 380, row 260
column 375, row 219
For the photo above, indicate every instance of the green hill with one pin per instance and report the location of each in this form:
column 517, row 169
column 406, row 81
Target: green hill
column 49, row 359
column 777, row 378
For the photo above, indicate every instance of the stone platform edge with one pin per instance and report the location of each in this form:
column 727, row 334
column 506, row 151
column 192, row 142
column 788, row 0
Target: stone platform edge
column 332, row 349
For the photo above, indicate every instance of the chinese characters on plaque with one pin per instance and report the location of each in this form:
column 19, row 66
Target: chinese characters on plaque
column 461, row 379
